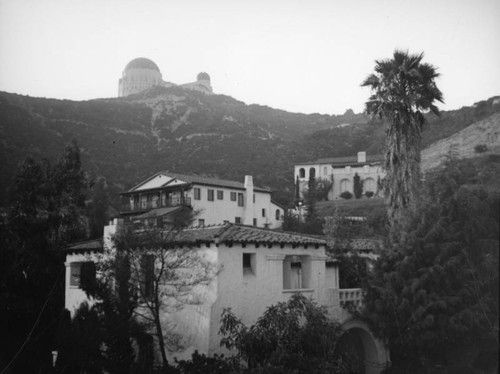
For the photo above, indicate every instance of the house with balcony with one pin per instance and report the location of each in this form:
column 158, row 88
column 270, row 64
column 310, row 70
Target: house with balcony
column 157, row 201
column 257, row 267
column 341, row 171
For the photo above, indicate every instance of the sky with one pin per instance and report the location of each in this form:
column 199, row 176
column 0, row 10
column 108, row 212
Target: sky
column 306, row 56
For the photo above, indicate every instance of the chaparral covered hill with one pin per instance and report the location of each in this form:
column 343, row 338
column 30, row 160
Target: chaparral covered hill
column 175, row 129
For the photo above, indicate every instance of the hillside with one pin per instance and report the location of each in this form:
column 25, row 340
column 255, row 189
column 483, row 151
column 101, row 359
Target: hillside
column 127, row 139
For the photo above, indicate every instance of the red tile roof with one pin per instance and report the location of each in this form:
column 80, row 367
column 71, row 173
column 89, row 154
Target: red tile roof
column 232, row 233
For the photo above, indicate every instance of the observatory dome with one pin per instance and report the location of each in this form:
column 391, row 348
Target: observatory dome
column 139, row 75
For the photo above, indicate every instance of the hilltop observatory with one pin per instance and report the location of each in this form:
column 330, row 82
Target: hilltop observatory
column 142, row 73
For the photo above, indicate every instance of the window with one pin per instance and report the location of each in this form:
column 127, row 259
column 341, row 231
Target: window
column 325, row 170
column 345, row 185
column 369, row 185
column 302, row 173
column 82, row 274
column 263, row 212
column 237, row 219
column 197, row 193
column 312, row 173
column 296, row 272
column 255, row 221
column 233, row 196
column 75, row 274
column 201, row 222
column 254, row 198
column 248, row 264
column 220, row 195
column 277, row 215
column 148, row 273
column 241, row 201
column 210, row 195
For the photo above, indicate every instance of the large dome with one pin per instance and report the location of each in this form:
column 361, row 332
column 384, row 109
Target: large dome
column 142, row 63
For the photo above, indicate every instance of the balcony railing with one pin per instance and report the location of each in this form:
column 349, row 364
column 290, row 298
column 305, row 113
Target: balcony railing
column 148, row 205
column 343, row 296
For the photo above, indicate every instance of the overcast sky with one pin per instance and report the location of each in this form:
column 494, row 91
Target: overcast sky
column 301, row 56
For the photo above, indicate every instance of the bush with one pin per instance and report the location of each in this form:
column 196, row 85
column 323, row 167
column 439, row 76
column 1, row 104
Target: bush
column 480, row 148
column 369, row 194
column 346, row 195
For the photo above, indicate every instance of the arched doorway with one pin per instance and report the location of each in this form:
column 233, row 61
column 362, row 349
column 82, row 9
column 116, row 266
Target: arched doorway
column 362, row 352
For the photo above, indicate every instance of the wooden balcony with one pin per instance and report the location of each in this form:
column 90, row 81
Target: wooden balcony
column 148, row 205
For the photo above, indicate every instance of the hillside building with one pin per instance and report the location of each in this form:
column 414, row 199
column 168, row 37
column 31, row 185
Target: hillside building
column 341, row 171
column 142, row 73
column 256, row 268
column 159, row 198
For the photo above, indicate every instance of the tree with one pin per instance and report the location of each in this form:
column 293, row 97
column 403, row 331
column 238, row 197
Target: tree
column 435, row 296
column 291, row 337
column 358, row 186
column 165, row 277
column 47, row 204
column 97, row 208
column 403, row 90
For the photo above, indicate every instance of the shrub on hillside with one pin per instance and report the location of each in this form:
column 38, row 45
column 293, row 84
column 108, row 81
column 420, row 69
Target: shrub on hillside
column 480, row 148
column 346, row 195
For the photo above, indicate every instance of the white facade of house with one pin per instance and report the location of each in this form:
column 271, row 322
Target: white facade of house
column 214, row 201
column 256, row 268
column 341, row 171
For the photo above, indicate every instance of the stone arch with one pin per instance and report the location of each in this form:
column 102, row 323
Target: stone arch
column 371, row 356
column 345, row 185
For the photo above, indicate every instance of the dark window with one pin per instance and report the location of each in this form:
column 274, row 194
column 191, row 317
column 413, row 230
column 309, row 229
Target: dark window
column 312, row 173
column 255, row 221
column 254, row 198
column 75, row 274
column 263, row 212
column 220, row 195
column 237, row 219
column 201, row 222
column 233, row 196
column 197, row 193
column 248, row 263
column 210, row 195
column 302, row 173
column 277, row 215
column 87, row 275
column 241, row 201
column 148, row 273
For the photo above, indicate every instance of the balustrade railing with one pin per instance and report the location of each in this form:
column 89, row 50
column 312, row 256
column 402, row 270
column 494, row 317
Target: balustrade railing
column 147, row 205
column 343, row 296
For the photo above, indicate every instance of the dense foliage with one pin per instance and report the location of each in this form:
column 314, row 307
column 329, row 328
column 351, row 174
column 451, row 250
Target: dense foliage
column 435, row 296
column 291, row 337
column 47, row 206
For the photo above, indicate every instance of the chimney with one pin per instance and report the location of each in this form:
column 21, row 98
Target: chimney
column 361, row 157
column 248, row 209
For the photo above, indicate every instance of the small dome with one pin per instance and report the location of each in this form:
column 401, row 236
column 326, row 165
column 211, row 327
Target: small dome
column 203, row 77
column 142, row 63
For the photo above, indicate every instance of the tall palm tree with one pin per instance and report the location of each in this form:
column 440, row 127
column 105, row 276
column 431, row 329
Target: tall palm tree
column 403, row 90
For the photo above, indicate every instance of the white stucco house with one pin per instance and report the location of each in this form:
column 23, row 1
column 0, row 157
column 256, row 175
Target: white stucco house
column 257, row 267
column 341, row 171
column 213, row 201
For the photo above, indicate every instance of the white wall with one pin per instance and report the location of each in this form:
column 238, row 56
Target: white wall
column 218, row 211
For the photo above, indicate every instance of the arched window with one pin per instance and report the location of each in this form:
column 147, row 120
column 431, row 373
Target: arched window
column 302, row 173
column 345, row 185
column 277, row 215
column 369, row 185
column 312, row 173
